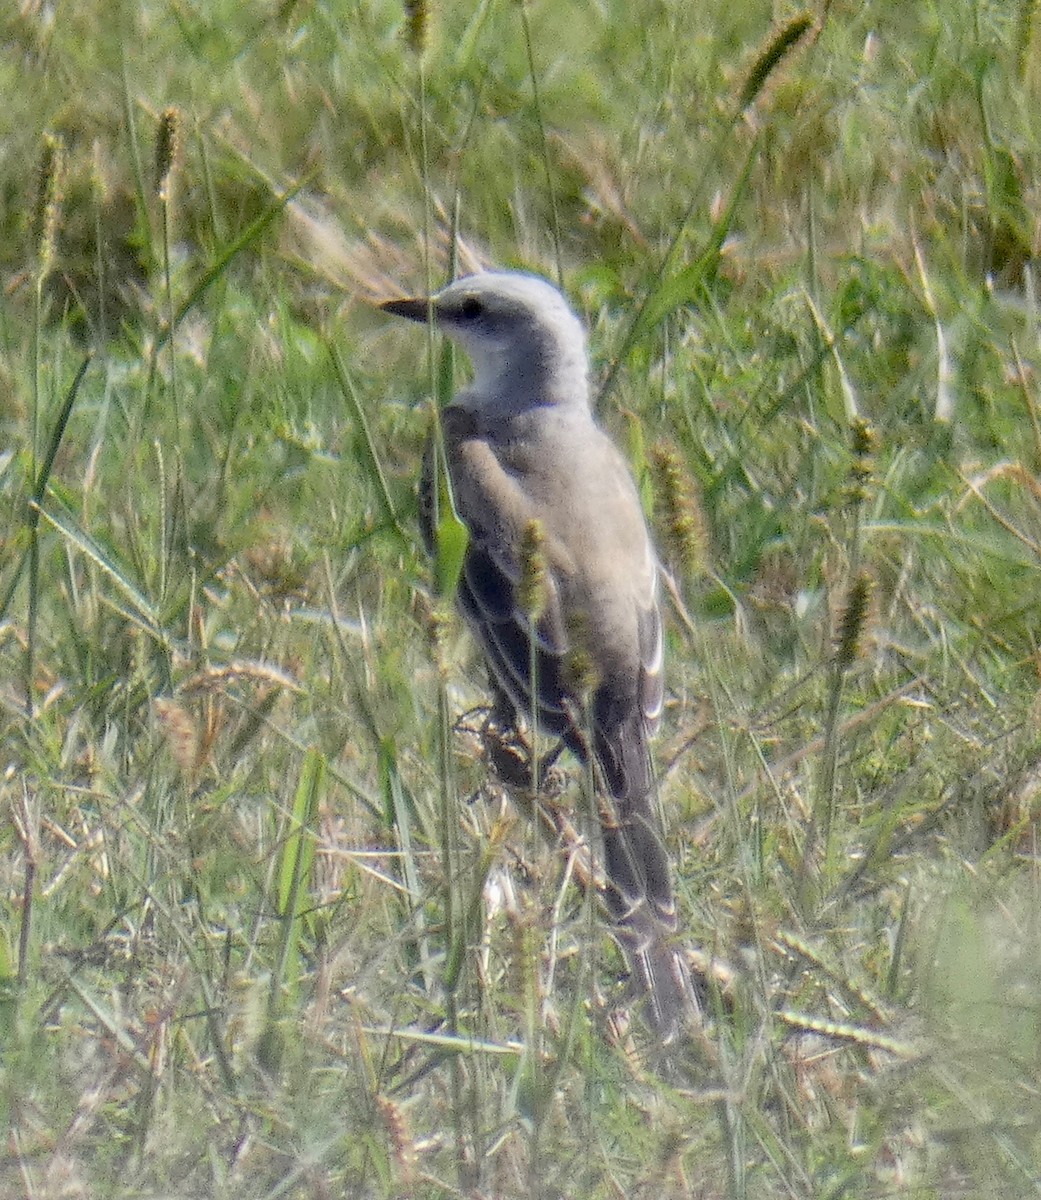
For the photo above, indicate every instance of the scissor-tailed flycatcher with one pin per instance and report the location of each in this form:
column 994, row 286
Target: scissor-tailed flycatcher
column 527, row 462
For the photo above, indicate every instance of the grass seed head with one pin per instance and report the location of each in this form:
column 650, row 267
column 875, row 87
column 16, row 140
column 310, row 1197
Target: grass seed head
column 167, row 147
column 772, row 54
column 436, row 621
column 50, row 182
column 853, row 620
column 399, row 1136
column 182, row 735
column 417, row 25
column 532, row 590
column 862, row 469
column 685, row 526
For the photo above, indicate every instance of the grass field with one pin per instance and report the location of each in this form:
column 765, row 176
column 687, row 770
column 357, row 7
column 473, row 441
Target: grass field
column 271, row 926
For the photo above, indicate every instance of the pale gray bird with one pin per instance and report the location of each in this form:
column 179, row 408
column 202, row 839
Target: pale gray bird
column 522, row 446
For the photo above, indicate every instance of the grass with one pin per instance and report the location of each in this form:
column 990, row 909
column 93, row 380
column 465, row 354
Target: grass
column 271, row 927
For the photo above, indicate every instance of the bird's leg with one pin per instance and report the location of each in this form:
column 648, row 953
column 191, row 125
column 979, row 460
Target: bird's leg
column 510, row 751
column 510, row 755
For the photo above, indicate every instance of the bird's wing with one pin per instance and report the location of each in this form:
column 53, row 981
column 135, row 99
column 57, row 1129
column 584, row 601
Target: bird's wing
column 497, row 513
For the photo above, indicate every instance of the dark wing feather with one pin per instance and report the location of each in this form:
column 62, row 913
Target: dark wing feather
column 487, row 594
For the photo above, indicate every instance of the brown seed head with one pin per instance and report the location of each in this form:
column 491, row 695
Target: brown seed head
column 396, row 1126
column 862, row 469
column 417, row 25
column 182, row 735
column 167, row 146
column 49, row 192
column 780, row 44
column 854, row 618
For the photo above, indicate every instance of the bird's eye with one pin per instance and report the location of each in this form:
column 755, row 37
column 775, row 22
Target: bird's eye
column 471, row 308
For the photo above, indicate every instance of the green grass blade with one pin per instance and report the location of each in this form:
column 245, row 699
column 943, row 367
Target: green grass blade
column 102, row 559
column 294, row 874
column 248, row 237
column 400, row 816
column 370, row 456
column 33, row 549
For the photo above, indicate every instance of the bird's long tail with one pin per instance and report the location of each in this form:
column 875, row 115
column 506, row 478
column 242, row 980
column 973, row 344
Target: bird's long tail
column 643, row 912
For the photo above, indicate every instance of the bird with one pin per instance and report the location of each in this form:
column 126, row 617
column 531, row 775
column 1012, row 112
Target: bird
column 528, row 464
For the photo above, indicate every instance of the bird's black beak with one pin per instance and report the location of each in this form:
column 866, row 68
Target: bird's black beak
column 415, row 310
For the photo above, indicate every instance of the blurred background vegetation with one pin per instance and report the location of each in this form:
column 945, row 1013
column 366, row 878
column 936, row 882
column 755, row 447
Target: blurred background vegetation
column 271, row 926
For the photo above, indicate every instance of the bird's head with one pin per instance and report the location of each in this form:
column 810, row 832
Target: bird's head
column 526, row 344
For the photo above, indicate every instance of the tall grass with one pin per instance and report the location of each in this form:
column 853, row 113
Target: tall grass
column 274, row 924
